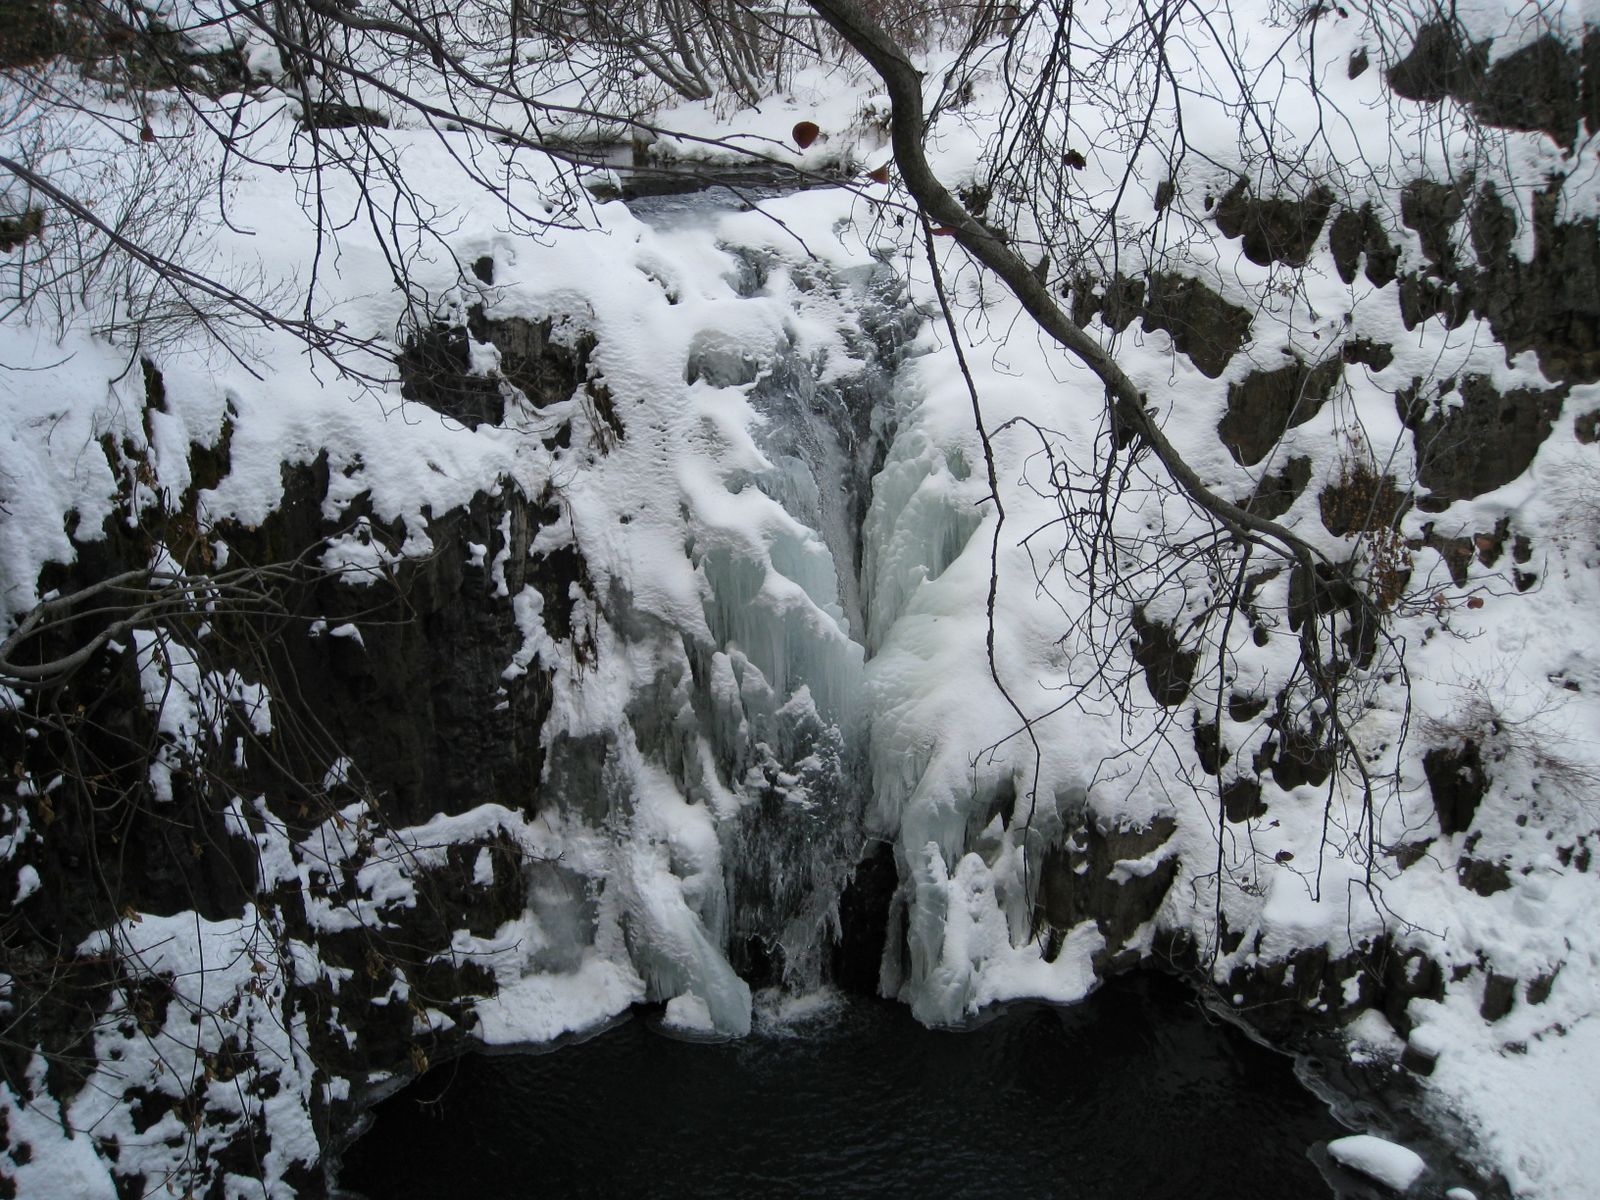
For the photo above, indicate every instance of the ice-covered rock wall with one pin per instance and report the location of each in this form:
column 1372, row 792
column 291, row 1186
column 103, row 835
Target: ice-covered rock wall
column 717, row 733
column 638, row 648
column 562, row 710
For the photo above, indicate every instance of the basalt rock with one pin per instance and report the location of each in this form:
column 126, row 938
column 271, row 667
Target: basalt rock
column 1276, row 494
column 1458, row 781
column 1267, row 404
column 546, row 362
column 1483, row 442
column 1408, row 975
column 1274, row 228
column 418, row 709
column 1357, row 232
column 1101, row 871
column 1168, row 667
column 1550, row 303
column 418, row 701
column 436, row 370
column 1207, row 328
column 1536, row 88
column 1204, row 326
column 542, row 361
column 1309, row 988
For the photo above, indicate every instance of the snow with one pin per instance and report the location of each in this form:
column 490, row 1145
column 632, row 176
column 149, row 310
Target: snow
column 64, row 1163
column 27, row 884
column 728, row 654
column 689, row 1014
column 542, row 1007
column 1392, row 1165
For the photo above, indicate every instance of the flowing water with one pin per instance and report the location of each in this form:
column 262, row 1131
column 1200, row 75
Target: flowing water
column 1136, row 1093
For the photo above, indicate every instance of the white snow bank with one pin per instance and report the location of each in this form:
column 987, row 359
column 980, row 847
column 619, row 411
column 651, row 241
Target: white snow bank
column 690, row 1014
column 1391, row 1165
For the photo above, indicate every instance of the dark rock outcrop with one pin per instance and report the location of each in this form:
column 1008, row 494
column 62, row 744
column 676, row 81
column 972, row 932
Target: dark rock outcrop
column 1357, row 232
column 1267, row 404
column 1079, row 880
column 1207, row 328
column 1168, row 667
column 1480, row 444
column 1204, row 326
column 409, row 713
column 1536, row 88
column 1458, row 781
column 1276, row 494
column 1274, row 228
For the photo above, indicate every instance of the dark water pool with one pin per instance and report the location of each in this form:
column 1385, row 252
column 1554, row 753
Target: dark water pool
column 1136, row 1095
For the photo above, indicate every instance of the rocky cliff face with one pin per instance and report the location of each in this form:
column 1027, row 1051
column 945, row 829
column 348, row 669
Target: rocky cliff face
column 357, row 707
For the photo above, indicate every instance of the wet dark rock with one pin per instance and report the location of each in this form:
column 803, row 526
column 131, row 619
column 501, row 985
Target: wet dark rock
column 1483, row 443
column 1266, row 404
column 1168, row 668
column 1423, row 297
column 857, row 956
column 1439, row 65
column 1458, row 781
column 1276, row 494
column 1482, row 876
column 1209, row 747
column 542, row 360
column 1540, row 986
column 436, row 370
column 1244, row 708
column 1368, row 353
column 1274, row 228
column 545, row 361
column 1356, row 232
column 1549, row 304
column 1077, row 883
column 1302, row 752
column 1419, row 1061
column 1325, row 590
column 1309, row 988
column 1203, row 325
column 1432, row 210
column 1408, row 854
column 421, row 707
column 1457, row 552
column 1122, row 303
column 1492, row 227
column 1241, row 799
column 1499, row 995
column 1408, row 975
column 1546, row 86
column 561, row 575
